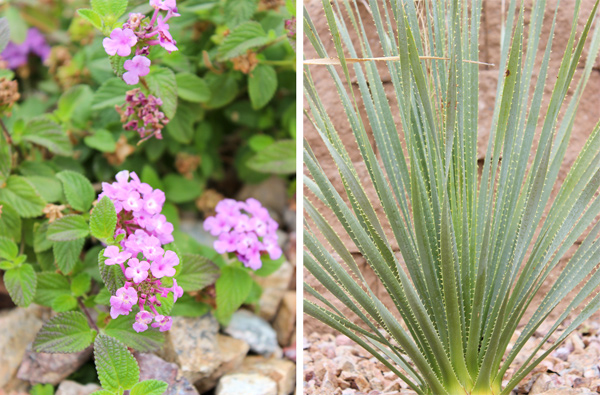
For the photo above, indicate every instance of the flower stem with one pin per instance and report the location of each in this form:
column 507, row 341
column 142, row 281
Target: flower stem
column 87, row 314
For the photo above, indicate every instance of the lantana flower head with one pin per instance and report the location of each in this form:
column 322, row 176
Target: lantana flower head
column 246, row 229
column 146, row 265
column 16, row 55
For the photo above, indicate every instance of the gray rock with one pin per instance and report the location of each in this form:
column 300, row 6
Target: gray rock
column 247, row 384
column 153, row 367
column 48, row 368
column 195, row 229
column 68, row 387
column 18, row 328
column 255, row 331
column 274, row 288
column 202, row 354
column 272, row 193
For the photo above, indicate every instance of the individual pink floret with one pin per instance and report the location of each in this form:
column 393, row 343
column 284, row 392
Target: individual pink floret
column 162, row 322
column 142, row 320
column 137, row 270
column 163, row 266
column 122, row 302
column 137, row 67
column 120, row 42
column 116, row 257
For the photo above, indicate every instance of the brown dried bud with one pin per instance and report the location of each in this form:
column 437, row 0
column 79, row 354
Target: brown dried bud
column 9, row 94
column 245, row 63
column 207, row 202
column 122, row 151
column 53, row 211
column 187, row 164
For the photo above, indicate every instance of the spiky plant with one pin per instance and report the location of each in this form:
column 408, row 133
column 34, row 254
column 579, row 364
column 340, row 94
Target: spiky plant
column 476, row 247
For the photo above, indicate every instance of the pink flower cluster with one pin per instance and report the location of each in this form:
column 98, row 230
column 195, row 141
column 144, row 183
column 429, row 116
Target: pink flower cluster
column 17, row 55
column 246, row 229
column 140, row 254
column 142, row 113
column 142, row 35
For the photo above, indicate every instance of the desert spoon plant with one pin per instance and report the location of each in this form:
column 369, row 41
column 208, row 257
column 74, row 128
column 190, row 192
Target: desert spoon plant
column 476, row 244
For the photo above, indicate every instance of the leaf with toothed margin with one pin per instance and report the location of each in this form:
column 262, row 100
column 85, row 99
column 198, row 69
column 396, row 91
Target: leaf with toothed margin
column 65, row 333
column 117, row 368
column 112, row 275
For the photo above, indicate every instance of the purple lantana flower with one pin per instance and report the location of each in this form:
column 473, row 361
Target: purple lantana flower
column 120, row 42
column 137, row 67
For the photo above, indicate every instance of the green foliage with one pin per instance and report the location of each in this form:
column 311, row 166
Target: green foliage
column 65, row 333
column 163, row 84
column 192, row 88
column 276, row 158
column 20, row 195
column 78, row 190
column 120, row 329
column 246, row 36
column 477, row 242
column 232, row 288
column 66, row 253
column 20, row 282
column 262, row 85
column 43, row 132
column 149, row 387
column 103, row 220
column 68, row 228
column 112, row 275
column 197, row 272
column 116, row 367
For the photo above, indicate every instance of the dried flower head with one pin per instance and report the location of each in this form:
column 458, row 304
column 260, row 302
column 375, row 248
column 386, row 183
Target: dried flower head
column 207, row 202
column 142, row 113
column 53, row 211
column 187, row 164
column 9, row 94
column 245, row 63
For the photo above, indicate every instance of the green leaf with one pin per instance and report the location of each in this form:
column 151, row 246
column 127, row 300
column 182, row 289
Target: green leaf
column 149, row 387
column 49, row 188
column 65, row 333
column 4, row 33
column 116, row 367
column 121, row 329
column 259, row 142
column 70, row 227
column 42, row 389
column 6, row 160
column 262, row 85
column 103, row 392
column 192, row 88
column 277, row 158
column 66, row 254
column 232, row 288
column 110, row 94
column 22, row 197
column 81, row 284
column 76, row 100
column 40, row 239
column 150, row 177
column 117, row 63
column 17, row 26
column 8, row 249
column 112, row 8
column 103, row 220
column 238, row 11
column 50, row 285
column 10, row 223
column 21, row 283
column 103, row 297
column 187, row 306
column 64, row 303
column 44, row 132
column 179, row 189
column 78, row 190
column 91, row 16
column 181, row 127
column 224, row 89
column 102, row 140
column 197, row 272
column 269, row 266
column 246, row 36
column 112, row 275
column 162, row 84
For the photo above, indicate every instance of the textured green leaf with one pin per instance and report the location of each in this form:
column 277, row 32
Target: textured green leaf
column 181, row 127
column 197, row 272
column 103, row 219
column 66, row 254
column 246, row 36
column 262, row 85
column 102, row 140
column 8, row 249
column 75, row 100
column 238, row 11
column 81, row 284
column 65, row 333
column 162, row 84
column 121, row 329
column 70, row 227
column 91, row 16
column 192, row 88
column 277, row 158
column 179, row 189
column 21, row 283
column 20, row 195
column 42, row 131
column 50, row 285
column 40, row 239
column 187, row 306
column 112, row 275
column 232, row 288
column 116, row 367
column 111, row 93
column 10, row 223
column 224, row 89
column 49, row 188
column 78, row 190
column 64, row 303
column 149, row 387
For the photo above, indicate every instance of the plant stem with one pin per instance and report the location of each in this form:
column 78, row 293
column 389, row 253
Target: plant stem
column 6, row 134
column 87, row 314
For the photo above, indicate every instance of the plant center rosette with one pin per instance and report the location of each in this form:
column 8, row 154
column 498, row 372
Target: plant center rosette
column 142, row 231
column 246, row 230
